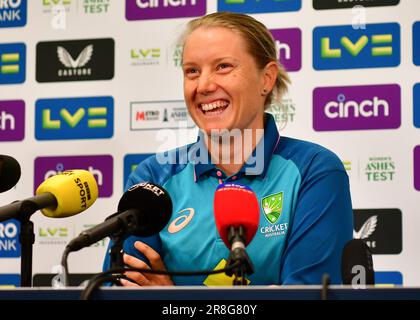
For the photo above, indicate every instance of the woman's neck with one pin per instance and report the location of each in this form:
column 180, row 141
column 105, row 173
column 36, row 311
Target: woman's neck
column 231, row 149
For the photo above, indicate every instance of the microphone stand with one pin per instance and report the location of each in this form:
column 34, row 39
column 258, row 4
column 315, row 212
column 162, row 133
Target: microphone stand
column 22, row 211
column 115, row 253
column 238, row 255
column 26, row 239
column 325, row 285
column 128, row 223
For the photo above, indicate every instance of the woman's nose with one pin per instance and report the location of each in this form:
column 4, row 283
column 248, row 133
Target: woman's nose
column 206, row 84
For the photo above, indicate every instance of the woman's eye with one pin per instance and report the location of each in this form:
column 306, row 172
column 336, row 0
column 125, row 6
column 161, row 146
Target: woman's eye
column 191, row 71
column 223, row 66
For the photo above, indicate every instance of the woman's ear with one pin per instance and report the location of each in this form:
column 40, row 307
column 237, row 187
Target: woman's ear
column 270, row 73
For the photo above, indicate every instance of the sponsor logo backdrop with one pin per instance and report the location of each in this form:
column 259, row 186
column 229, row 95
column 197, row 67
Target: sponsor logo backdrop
column 98, row 85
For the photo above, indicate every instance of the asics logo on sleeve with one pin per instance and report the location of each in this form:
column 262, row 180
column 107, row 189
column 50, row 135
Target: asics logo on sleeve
column 182, row 221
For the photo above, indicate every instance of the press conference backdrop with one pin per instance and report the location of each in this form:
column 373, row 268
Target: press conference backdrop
column 97, row 85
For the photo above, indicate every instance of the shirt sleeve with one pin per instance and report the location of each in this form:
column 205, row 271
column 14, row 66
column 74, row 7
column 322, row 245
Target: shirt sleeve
column 322, row 224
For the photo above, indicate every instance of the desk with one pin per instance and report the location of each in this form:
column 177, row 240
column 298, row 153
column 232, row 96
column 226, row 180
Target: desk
column 217, row 293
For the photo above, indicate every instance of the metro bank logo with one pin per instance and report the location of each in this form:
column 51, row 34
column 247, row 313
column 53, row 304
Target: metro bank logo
column 74, row 118
column 100, row 166
column 346, row 47
column 13, row 13
column 357, row 107
column 9, row 239
column 163, row 9
column 257, row 6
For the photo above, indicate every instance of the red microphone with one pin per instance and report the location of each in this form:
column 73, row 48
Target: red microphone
column 237, row 214
column 236, row 205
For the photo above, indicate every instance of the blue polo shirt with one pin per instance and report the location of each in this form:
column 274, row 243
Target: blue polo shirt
column 305, row 211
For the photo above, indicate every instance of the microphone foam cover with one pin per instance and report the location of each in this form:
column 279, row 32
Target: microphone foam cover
column 236, row 205
column 356, row 253
column 9, row 172
column 154, row 205
column 75, row 191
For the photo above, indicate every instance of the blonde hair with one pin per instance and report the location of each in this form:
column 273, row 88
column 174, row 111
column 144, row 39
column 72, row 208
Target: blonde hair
column 259, row 40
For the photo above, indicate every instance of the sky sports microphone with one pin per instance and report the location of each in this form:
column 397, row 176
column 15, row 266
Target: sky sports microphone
column 237, row 214
column 63, row 195
column 9, row 172
column 144, row 210
column 357, row 264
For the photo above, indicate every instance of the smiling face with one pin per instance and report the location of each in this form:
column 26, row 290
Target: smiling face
column 222, row 82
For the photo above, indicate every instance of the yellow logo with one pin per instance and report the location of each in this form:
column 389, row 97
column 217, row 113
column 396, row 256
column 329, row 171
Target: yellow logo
column 220, row 279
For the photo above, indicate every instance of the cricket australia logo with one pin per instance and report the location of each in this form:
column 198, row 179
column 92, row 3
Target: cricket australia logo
column 272, row 206
column 75, row 66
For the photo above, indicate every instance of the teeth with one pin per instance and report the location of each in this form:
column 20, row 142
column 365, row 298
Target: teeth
column 213, row 105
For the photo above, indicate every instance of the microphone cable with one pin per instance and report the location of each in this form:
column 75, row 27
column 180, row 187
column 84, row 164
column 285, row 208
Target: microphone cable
column 114, row 275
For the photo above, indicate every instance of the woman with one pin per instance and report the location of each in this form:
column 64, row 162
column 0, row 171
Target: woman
column 231, row 75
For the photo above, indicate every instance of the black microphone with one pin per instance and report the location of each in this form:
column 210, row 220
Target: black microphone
column 357, row 264
column 9, row 172
column 144, row 210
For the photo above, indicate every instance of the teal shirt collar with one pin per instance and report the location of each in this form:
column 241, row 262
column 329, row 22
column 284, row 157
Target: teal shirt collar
column 256, row 165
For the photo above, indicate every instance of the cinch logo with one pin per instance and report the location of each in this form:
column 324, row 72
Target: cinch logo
column 388, row 278
column 12, row 120
column 131, row 161
column 416, row 107
column 163, row 9
column 74, row 118
column 416, row 43
column 145, row 57
column 9, row 239
column 75, row 60
column 380, row 169
column 343, row 47
column 101, row 167
column 12, row 63
column 12, row 13
column 380, row 228
column 10, row 280
column 357, row 107
column 417, row 168
column 339, row 4
column 283, row 112
column 159, row 115
column 257, row 6
column 289, row 47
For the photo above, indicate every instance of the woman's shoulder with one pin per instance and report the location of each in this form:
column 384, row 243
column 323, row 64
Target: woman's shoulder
column 159, row 167
column 307, row 154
